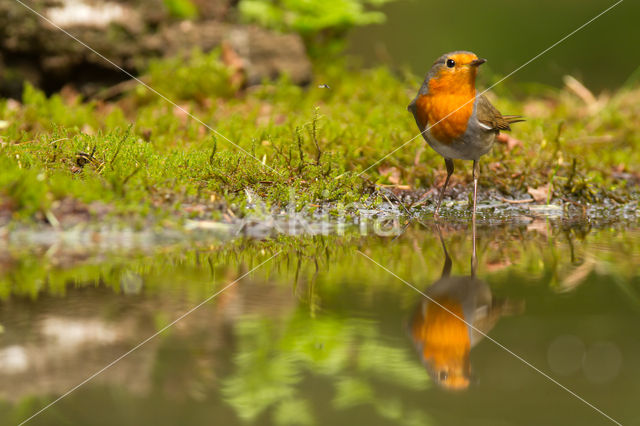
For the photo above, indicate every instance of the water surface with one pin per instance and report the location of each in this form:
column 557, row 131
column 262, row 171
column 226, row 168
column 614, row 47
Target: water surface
column 320, row 334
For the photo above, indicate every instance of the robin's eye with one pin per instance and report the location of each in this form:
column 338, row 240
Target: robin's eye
column 451, row 63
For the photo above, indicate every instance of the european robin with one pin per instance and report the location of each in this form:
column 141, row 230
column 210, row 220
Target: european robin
column 458, row 313
column 455, row 121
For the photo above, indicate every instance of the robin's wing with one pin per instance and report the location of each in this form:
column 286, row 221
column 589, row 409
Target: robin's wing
column 491, row 118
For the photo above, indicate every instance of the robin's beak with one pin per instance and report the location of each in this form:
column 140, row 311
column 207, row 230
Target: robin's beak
column 477, row 62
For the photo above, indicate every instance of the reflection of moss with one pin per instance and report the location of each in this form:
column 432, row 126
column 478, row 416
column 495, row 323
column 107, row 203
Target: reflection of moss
column 506, row 250
column 273, row 359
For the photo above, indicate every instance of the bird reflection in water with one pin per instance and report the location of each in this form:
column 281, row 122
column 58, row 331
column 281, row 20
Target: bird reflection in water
column 456, row 314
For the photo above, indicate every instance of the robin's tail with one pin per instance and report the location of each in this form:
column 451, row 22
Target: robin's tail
column 513, row 118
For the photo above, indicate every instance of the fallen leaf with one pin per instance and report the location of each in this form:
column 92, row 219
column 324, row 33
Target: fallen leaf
column 493, row 266
column 540, row 194
column 235, row 64
column 13, row 105
column 392, row 173
column 579, row 90
column 495, row 166
column 181, row 112
column 539, row 226
column 508, row 140
column 69, row 94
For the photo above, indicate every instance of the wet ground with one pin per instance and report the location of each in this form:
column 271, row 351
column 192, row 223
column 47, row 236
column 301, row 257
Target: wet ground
column 368, row 325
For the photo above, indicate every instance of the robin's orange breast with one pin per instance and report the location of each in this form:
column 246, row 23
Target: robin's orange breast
column 448, row 114
column 444, row 337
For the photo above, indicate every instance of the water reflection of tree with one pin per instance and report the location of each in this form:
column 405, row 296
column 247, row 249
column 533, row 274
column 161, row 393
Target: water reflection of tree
column 274, row 360
column 284, row 343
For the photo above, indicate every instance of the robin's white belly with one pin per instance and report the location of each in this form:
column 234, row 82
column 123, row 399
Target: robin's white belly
column 474, row 143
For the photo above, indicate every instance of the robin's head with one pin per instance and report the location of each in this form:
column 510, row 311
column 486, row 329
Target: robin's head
column 454, row 72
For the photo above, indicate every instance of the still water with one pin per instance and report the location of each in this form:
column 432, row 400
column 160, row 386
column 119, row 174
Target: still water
column 319, row 333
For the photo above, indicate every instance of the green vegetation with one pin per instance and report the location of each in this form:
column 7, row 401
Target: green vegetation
column 322, row 24
column 183, row 9
column 312, row 331
column 146, row 159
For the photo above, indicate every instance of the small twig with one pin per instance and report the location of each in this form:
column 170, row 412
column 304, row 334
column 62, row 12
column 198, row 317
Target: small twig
column 419, row 151
column 118, row 89
column 572, row 175
column 55, row 148
column 580, row 90
column 397, row 199
column 124, row 138
column 214, row 150
column 575, row 203
column 301, row 152
column 506, row 200
column 423, row 198
column 126, row 179
column 281, row 154
column 51, row 218
column 559, row 132
column 405, row 187
column 386, row 198
column 314, row 136
column 218, row 176
column 55, row 141
column 237, row 165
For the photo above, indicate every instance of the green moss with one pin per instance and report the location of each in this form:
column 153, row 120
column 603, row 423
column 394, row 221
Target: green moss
column 144, row 156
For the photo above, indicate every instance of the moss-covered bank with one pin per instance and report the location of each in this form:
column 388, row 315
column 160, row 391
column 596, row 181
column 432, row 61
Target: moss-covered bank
column 140, row 158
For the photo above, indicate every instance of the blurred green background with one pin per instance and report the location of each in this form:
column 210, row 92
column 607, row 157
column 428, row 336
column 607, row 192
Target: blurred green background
column 604, row 54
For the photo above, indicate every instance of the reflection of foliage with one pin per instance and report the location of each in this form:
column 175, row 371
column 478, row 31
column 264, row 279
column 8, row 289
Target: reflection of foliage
column 293, row 411
column 272, row 363
column 317, row 21
column 279, row 362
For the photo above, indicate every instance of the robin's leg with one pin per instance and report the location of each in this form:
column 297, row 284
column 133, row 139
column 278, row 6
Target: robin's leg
column 446, row 270
column 476, row 172
column 449, row 163
column 474, row 255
